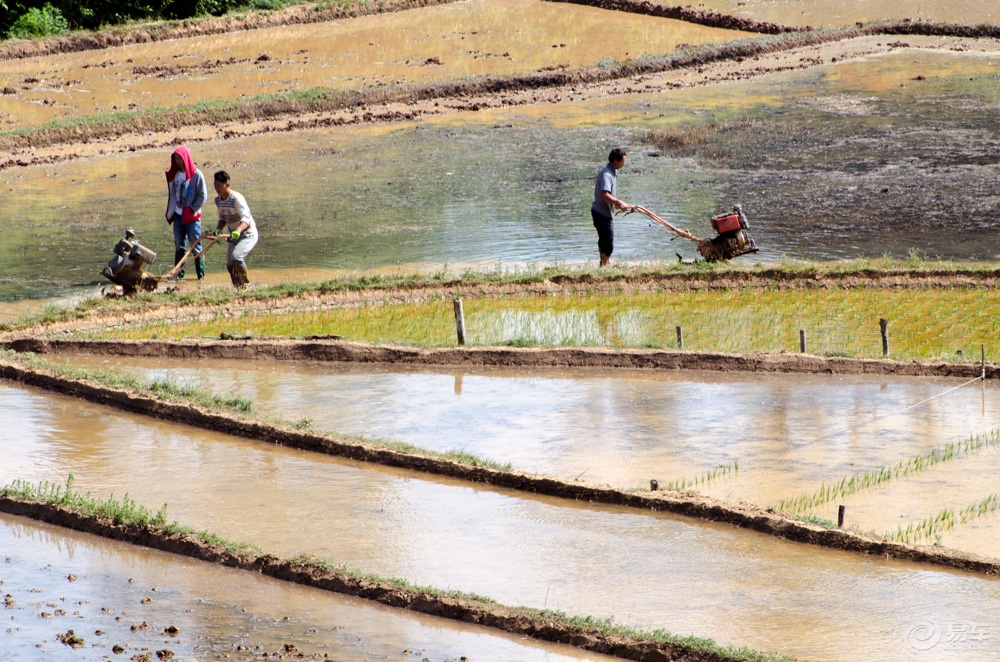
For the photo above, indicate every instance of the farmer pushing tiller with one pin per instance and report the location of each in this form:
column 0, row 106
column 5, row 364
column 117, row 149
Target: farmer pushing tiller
column 732, row 240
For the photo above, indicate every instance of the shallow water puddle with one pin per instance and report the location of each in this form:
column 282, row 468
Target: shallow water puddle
column 788, row 433
column 60, row 580
column 455, row 41
column 647, row 570
column 818, row 13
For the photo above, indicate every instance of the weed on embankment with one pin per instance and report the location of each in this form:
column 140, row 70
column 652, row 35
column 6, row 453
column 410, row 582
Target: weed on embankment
column 125, row 511
column 173, row 391
column 324, row 573
column 161, row 387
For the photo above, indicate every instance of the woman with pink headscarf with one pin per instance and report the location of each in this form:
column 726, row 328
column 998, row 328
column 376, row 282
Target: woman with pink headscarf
column 186, row 193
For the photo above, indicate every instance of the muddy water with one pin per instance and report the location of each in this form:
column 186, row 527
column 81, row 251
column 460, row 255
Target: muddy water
column 836, row 156
column 221, row 613
column 788, row 433
column 824, row 13
column 647, row 570
column 475, row 38
column 955, row 485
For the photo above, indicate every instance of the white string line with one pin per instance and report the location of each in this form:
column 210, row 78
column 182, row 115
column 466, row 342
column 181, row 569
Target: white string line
column 940, row 394
column 888, row 414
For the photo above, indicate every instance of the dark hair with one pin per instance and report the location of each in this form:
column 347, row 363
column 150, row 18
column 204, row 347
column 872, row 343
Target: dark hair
column 617, row 154
column 222, row 177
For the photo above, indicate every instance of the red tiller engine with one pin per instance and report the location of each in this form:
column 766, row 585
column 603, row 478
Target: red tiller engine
column 733, row 239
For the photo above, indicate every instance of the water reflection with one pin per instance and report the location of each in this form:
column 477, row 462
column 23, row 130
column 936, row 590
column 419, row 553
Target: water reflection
column 221, row 613
column 647, row 570
column 789, row 433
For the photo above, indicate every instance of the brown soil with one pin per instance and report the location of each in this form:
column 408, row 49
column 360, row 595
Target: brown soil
column 688, row 504
column 560, row 357
column 306, row 572
column 153, row 32
column 355, row 105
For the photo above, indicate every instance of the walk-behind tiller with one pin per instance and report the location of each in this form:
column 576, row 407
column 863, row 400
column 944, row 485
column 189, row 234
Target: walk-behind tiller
column 126, row 268
column 732, row 240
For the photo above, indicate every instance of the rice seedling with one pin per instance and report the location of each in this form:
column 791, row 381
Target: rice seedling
column 946, row 325
column 704, row 478
column 867, row 479
column 934, row 525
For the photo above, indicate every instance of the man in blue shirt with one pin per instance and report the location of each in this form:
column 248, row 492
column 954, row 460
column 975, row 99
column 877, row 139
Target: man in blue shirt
column 605, row 202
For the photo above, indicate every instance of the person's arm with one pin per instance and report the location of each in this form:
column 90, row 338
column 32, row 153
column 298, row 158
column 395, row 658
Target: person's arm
column 201, row 191
column 170, row 202
column 607, row 198
column 244, row 211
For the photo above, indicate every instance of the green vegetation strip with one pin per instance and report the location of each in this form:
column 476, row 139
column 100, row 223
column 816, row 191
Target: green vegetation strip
column 691, row 505
column 864, row 480
column 667, row 276
column 935, row 525
column 930, row 324
column 135, row 524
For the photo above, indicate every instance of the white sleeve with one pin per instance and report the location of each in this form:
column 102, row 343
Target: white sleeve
column 243, row 209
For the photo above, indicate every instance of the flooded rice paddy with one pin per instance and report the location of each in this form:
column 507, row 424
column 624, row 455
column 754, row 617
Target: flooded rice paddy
column 939, row 324
column 827, row 162
column 647, row 570
column 788, row 434
column 434, row 44
column 59, row 580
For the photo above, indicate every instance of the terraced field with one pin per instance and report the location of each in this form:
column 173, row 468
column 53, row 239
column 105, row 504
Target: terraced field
column 577, row 482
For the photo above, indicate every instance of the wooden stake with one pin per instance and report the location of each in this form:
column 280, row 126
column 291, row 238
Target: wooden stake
column 802, row 340
column 884, row 327
column 460, row 320
column 680, row 338
column 840, row 517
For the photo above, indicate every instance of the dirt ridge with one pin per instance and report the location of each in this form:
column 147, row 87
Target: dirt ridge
column 513, row 620
column 556, row 357
column 715, row 19
column 706, row 17
column 741, row 515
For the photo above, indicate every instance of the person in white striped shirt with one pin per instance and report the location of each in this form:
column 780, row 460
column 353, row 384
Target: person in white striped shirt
column 234, row 215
